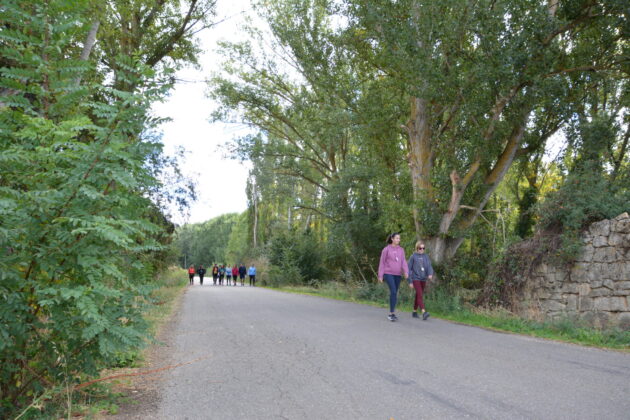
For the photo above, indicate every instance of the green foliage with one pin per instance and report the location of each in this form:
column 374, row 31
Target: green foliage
column 296, row 258
column 237, row 250
column 78, row 232
column 206, row 243
column 588, row 193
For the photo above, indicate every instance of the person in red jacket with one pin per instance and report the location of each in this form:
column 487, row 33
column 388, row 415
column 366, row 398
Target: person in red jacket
column 235, row 273
column 191, row 274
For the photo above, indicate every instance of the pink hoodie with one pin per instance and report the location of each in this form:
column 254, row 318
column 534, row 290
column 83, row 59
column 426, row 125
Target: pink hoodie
column 393, row 261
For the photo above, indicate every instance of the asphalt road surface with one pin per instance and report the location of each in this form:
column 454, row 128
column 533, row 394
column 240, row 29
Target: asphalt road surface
column 262, row 354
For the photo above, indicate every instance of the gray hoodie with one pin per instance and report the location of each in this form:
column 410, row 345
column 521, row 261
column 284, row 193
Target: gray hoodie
column 419, row 267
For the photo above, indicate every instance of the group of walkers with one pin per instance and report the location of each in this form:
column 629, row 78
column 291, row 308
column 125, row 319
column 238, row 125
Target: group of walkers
column 221, row 273
column 417, row 270
column 392, row 267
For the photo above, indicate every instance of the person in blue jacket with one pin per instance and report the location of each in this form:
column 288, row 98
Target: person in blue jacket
column 252, row 275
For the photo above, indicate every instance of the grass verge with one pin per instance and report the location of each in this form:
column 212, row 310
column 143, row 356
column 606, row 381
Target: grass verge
column 451, row 307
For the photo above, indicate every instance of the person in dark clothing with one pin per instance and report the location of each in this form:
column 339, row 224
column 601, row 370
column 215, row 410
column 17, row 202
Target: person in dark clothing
column 241, row 273
column 201, row 271
column 420, row 270
column 215, row 274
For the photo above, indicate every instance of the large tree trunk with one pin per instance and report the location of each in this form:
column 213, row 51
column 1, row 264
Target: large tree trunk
column 442, row 247
column 421, row 154
column 255, row 227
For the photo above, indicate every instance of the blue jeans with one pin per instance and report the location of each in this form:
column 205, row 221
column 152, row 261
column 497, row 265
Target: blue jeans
column 394, row 283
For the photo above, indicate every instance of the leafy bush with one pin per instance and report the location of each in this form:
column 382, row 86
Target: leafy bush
column 295, row 257
column 584, row 198
column 76, row 238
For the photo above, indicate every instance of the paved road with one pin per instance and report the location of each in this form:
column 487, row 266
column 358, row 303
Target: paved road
column 271, row 355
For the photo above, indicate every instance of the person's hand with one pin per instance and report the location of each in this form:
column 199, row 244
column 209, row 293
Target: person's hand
column 380, row 280
column 431, row 276
column 410, row 286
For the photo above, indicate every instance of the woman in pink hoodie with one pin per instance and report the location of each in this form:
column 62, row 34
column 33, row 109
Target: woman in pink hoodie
column 392, row 266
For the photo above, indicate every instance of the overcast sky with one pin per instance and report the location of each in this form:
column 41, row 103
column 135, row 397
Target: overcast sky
column 220, row 181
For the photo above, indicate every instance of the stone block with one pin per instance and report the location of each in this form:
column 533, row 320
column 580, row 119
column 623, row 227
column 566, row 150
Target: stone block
column 601, row 228
column 605, row 255
column 621, row 223
column 608, row 284
column 619, row 271
column 599, row 292
column 585, row 303
column 593, row 276
column 572, row 302
column 600, row 241
column 587, row 253
column 583, row 289
column 596, row 319
column 622, row 285
column 608, row 304
column 623, row 321
column 551, row 305
column 570, row 288
column 621, row 293
column 619, row 240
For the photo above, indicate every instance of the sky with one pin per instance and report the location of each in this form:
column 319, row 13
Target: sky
column 220, row 181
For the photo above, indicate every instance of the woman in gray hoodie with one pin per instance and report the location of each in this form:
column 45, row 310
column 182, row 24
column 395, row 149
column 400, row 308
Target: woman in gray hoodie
column 420, row 270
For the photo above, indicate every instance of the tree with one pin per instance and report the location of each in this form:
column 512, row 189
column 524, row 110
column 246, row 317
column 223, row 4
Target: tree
column 78, row 232
column 474, row 73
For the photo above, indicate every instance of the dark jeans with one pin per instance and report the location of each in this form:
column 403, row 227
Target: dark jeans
column 252, row 279
column 394, row 283
column 419, row 286
column 201, row 279
column 191, row 278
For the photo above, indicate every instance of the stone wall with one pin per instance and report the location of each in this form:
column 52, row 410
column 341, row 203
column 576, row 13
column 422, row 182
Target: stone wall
column 597, row 287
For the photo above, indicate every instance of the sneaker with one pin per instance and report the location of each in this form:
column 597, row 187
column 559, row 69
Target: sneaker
column 395, row 317
column 425, row 316
column 391, row 317
column 415, row 315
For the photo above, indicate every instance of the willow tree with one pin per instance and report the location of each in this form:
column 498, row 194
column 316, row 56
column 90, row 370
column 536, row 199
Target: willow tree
column 474, row 73
column 297, row 95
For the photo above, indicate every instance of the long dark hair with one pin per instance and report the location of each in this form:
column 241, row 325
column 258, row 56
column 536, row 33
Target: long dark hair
column 390, row 238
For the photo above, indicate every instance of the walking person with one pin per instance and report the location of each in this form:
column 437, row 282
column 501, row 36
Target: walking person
column 215, row 273
column 241, row 273
column 420, row 270
column 228, row 274
column 235, row 273
column 191, row 275
column 202, row 272
column 252, row 275
column 391, row 267
column 221, row 274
